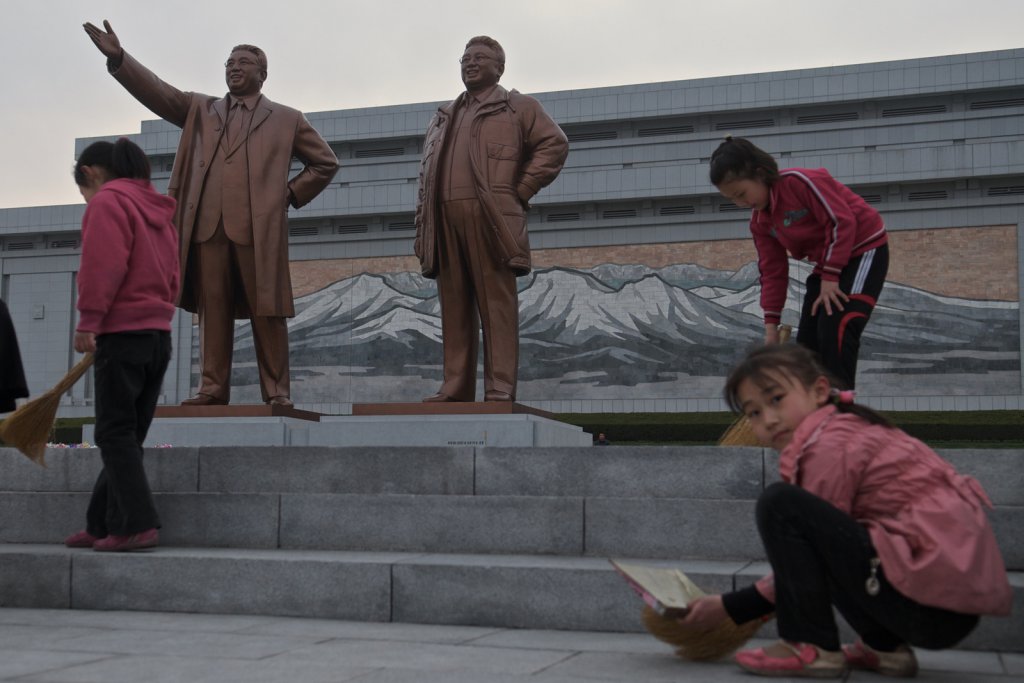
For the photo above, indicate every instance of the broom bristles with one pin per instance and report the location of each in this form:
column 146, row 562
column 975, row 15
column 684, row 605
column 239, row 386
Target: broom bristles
column 739, row 433
column 28, row 428
column 699, row 644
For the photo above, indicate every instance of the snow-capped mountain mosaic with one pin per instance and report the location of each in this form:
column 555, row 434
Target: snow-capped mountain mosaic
column 625, row 331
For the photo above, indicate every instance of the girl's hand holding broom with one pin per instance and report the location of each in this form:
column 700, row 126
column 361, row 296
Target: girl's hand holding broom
column 85, row 342
column 705, row 612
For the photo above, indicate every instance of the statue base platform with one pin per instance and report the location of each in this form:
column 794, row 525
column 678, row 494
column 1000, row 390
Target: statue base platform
column 449, row 408
column 243, row 410
column 491, row 424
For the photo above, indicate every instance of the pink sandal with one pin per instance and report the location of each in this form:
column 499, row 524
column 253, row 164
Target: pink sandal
column 801, row 660
column 900, row 663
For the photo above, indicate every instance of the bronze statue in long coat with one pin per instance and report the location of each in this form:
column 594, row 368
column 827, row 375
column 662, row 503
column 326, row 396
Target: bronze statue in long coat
column 230, row 178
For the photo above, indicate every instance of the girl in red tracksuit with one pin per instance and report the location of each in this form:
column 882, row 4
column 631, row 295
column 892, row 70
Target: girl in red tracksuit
column 809, row 214
column 865, row 519
column 127, row 286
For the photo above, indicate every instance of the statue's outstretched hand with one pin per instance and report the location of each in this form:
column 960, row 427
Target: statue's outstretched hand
column 106, row 41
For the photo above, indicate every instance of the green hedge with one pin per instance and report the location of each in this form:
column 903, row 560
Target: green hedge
column 982, row 427
column 973, row 426
column 651, row 427
column 68, row 429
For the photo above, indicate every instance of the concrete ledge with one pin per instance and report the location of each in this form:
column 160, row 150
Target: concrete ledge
column 514, row 591
column 999, row 471
column 324, row 469
column 459, row 524
column 672, row 528
column 642, row 471
column 529, row 592
column 33, row 576
column 41, row 517
column 668, row 528
column 628, row 472
column 76, row 469
column 239, row 520
column 311, row 584
column 512, row 430
column 582, row 504
column 226, row 431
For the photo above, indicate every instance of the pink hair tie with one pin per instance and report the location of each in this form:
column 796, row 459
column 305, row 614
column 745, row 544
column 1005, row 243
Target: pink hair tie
column 843, row 395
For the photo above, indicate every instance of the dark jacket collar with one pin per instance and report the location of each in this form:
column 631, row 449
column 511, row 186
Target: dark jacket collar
column 498, row 96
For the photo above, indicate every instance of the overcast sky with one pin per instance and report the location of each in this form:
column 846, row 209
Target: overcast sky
column 340, row 54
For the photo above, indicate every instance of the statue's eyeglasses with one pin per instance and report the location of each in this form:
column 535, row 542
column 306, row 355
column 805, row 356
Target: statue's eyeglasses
column 478, row 57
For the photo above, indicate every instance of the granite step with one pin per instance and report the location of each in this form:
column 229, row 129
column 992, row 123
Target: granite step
column 511, row 591
column 665, row 528
column 643, row 502
column 475, row 536
column 699, row 472
column 546, row 525
column 657, row 472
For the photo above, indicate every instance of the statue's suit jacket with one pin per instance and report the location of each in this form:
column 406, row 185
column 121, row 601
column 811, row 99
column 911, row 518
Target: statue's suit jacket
column 276, row 134
column 515, row 150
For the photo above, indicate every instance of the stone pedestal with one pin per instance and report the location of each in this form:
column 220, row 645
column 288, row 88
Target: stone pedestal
column 494, row 424
column 245, row 410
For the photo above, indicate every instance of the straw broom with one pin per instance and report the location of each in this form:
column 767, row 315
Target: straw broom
column 696, row 643
column 739, row 432
column 708, row 644
column 670, row 589
column 28, row 428
column 699, row 644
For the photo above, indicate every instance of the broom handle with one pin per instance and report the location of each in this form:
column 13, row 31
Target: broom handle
column 73, row 375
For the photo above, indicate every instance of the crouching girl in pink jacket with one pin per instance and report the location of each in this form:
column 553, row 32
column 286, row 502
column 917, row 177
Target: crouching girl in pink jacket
column 867, row 519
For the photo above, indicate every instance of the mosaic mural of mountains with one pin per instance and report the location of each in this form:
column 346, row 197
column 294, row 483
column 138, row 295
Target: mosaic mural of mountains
column 614, row 328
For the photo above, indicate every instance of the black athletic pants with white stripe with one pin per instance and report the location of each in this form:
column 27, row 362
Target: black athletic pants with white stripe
column 836, row 337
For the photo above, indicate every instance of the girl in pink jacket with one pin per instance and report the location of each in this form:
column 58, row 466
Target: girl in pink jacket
column 127, row 286
column 806, row 213
column 866, row 519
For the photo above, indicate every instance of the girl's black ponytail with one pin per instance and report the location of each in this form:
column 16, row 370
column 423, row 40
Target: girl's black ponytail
column 129, row 161
column 121, row 159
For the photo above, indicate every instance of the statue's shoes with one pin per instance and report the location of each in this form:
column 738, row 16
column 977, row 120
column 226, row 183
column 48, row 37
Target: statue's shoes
column 495, row 395
column 439, row 398
column 280, row 401
column 204, row 400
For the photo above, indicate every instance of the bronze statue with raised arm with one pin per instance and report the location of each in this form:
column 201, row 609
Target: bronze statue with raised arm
column 231, row 181
column 485, row 155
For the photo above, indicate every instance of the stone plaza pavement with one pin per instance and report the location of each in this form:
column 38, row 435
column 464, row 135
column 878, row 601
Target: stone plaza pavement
column 84, row 646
